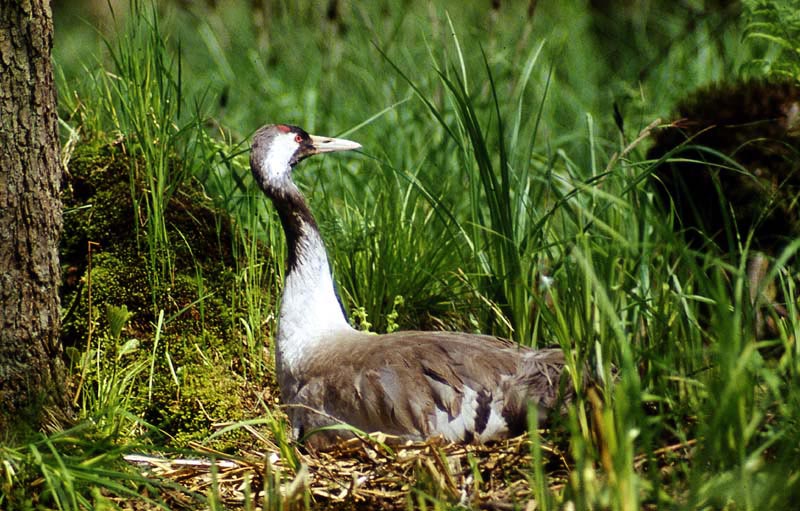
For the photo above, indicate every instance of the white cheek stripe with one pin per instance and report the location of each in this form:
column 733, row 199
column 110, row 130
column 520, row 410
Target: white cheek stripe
column 276, row 161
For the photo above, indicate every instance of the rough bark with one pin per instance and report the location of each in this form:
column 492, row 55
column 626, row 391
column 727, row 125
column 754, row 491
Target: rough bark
column 31, row 372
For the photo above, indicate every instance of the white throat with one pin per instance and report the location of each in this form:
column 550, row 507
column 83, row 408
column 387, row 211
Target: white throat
column 310, row 311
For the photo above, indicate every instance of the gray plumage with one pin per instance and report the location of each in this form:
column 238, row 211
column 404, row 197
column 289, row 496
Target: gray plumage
column 420, row 384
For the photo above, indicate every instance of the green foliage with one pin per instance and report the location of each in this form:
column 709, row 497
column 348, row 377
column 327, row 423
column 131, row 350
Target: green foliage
column 72, row 470
column 120, row 355
column 503, row 187
column 502, row 228
column 108, row 372
column 140, row 99
column 776, row 23
column 255, row 238
column 389, row 242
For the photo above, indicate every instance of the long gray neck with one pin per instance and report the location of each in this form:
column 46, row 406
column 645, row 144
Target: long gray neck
column 310, row 311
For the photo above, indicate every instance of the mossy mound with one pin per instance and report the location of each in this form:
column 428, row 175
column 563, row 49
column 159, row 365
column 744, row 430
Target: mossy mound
column 737, row 167
column 198, row 352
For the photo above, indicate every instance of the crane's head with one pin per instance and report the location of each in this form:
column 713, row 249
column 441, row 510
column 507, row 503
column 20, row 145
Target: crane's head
column 277, row 148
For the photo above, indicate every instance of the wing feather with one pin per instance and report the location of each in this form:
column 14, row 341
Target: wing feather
column 419, row 384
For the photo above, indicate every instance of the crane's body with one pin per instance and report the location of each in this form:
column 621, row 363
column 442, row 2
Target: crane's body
column 464, row 387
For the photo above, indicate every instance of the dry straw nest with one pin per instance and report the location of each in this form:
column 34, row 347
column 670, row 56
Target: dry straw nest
column 373, row 473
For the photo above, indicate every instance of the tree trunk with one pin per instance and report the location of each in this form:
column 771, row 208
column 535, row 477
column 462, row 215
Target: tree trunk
column 31, row 370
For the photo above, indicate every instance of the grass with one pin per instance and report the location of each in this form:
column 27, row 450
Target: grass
column 226, row 176
column 70, row 470
column 503, row 187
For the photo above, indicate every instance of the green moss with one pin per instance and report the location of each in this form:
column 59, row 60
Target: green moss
column 199, row 357
column 116, row 278
column 208, row 395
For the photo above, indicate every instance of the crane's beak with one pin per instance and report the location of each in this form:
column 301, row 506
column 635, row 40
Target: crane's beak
column 329, row 145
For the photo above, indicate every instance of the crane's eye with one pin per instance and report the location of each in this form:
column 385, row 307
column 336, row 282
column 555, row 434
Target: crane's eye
column 298, row 138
